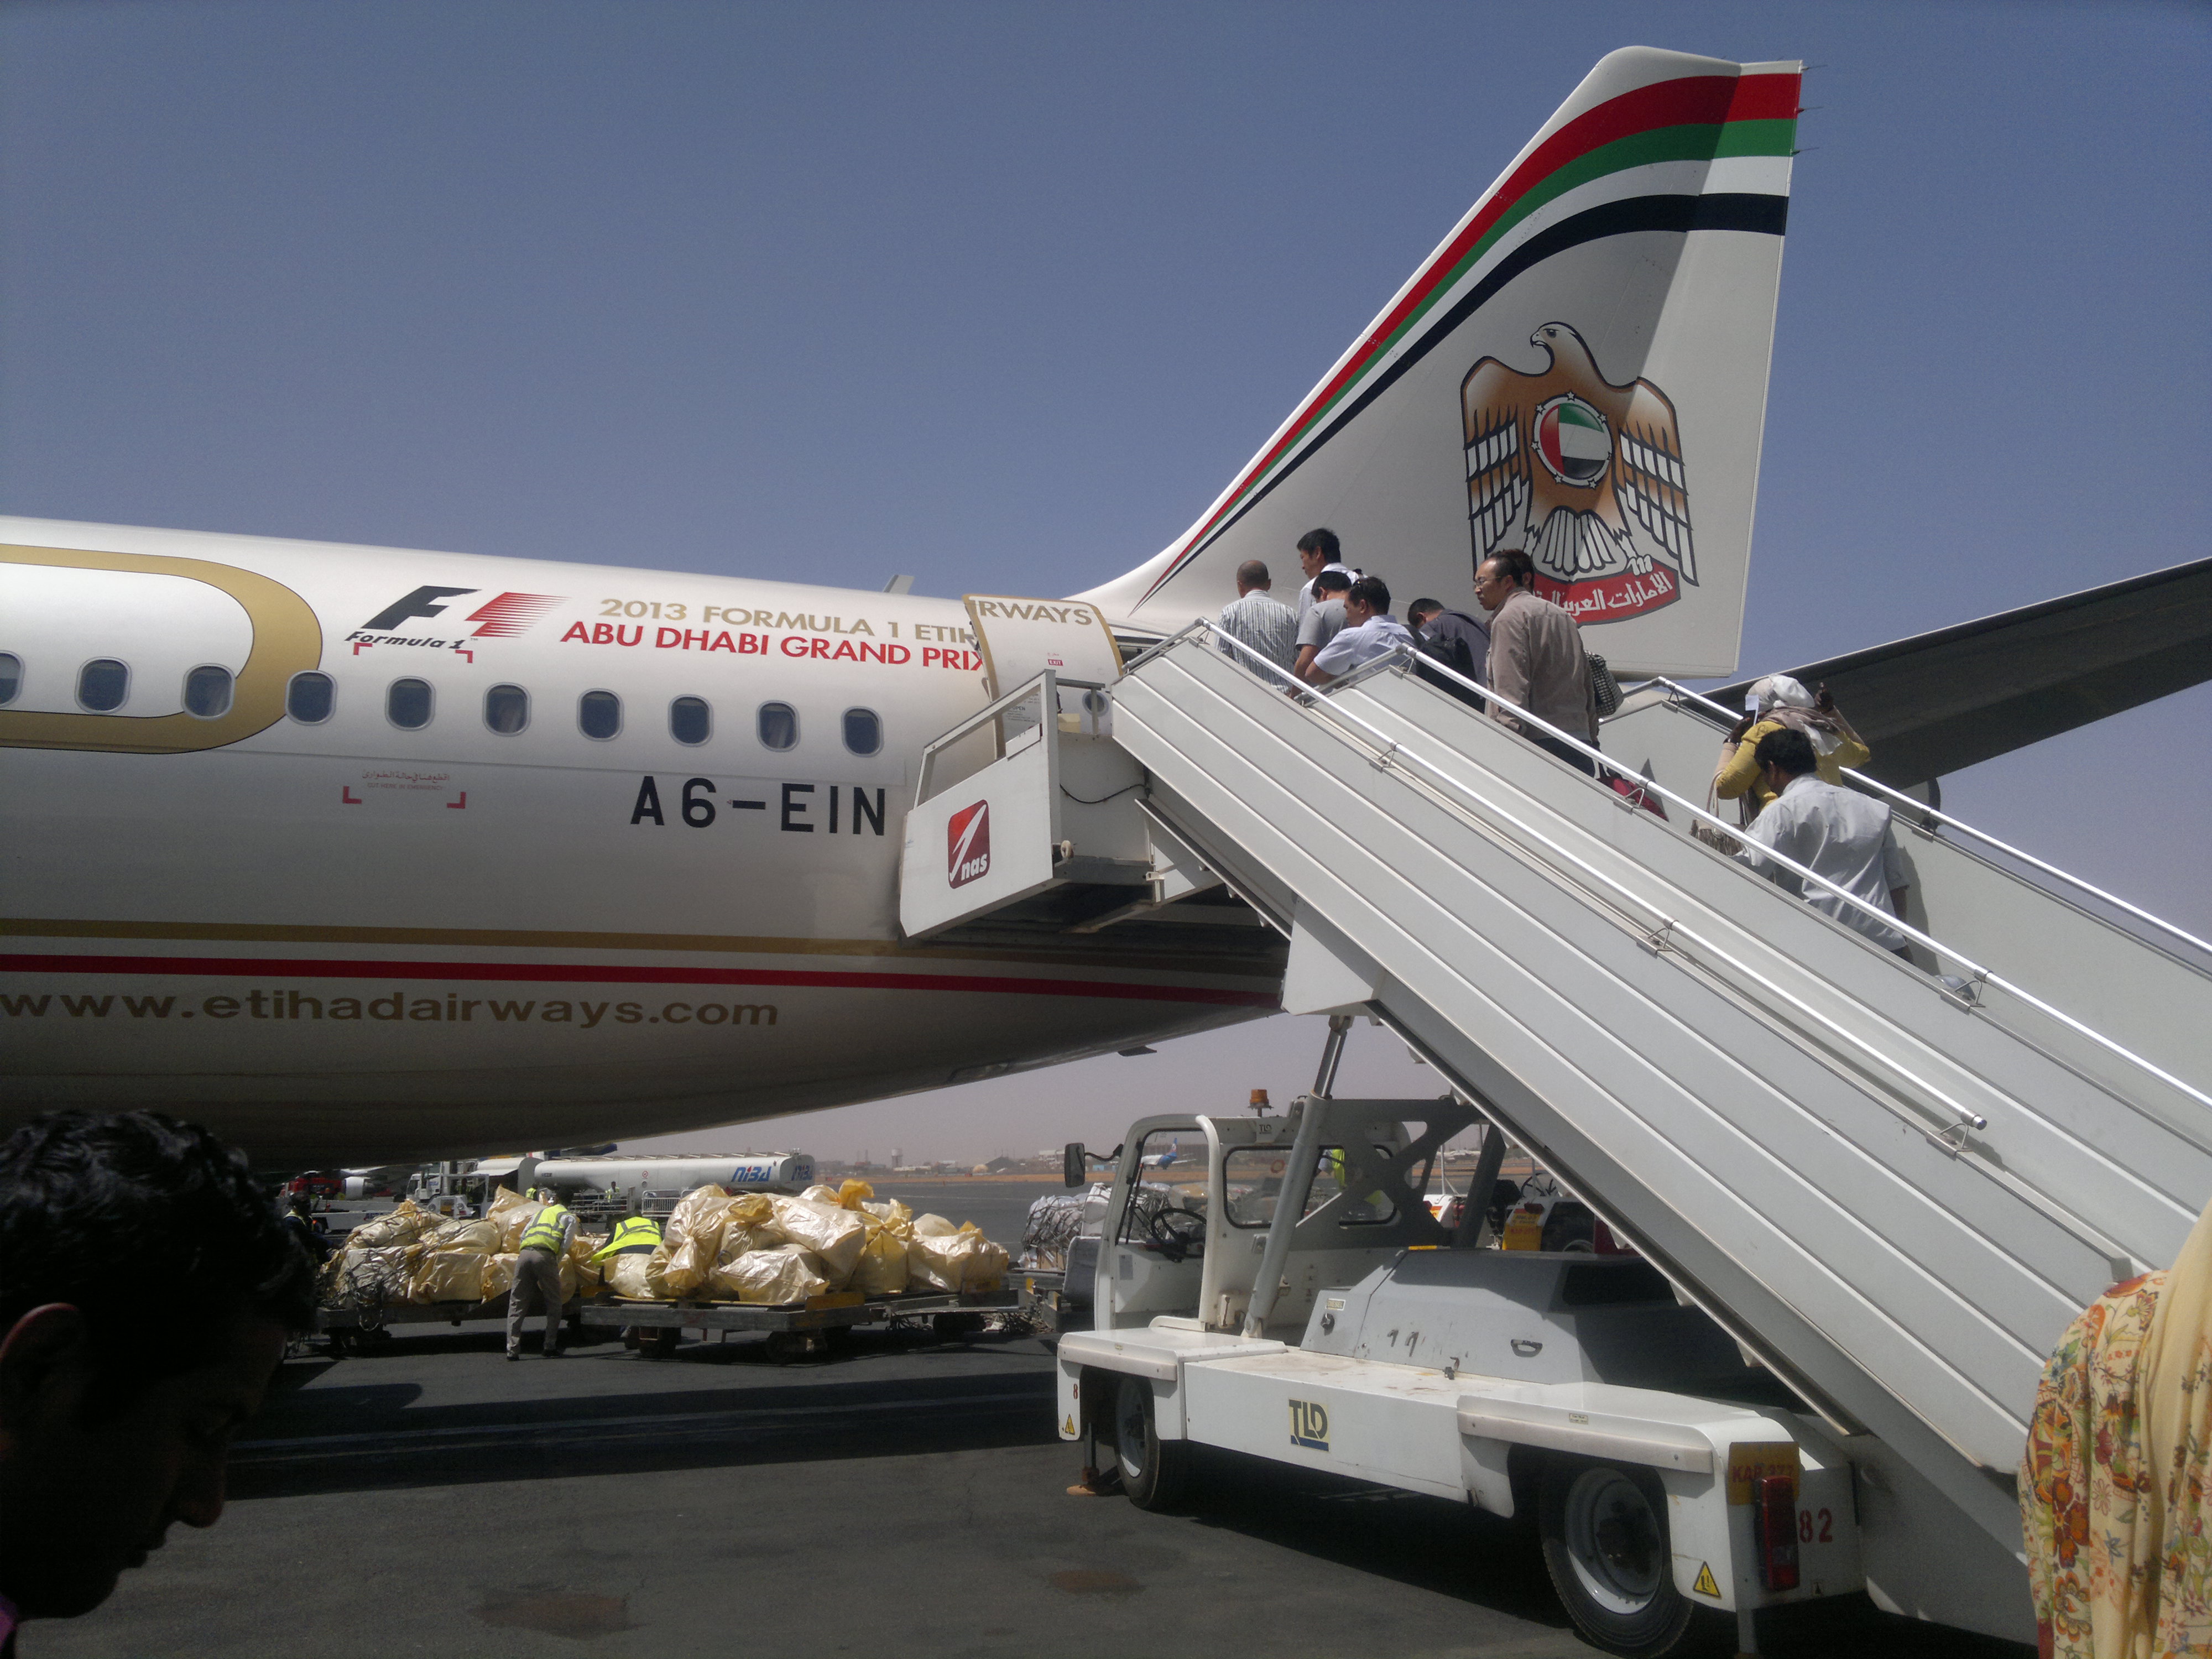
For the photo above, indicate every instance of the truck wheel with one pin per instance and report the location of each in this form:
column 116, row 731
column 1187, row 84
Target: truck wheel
column 1153, row 1471
column 1570, row 1228
column 1605, row 1547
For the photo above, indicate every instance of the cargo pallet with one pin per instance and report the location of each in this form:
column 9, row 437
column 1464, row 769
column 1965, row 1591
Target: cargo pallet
column 352, row 1329
column 798, row 1330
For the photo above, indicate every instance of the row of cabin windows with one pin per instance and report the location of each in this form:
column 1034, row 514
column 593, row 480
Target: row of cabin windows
column 104, row 685
column 408, row 704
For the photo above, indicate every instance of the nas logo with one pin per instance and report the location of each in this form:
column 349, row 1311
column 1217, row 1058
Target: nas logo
column 1583, row 475
column 968, row 844
column 501, row 618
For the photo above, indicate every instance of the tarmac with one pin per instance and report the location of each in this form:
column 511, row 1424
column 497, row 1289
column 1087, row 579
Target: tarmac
column 905, row 1497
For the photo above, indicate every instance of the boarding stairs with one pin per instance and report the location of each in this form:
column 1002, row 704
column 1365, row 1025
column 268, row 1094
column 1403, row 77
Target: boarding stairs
column 1894, row 1184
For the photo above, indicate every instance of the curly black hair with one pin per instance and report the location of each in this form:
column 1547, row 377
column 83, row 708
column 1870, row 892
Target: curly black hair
column 151, row 1227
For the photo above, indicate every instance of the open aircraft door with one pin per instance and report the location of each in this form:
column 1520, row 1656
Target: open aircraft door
column 1031, row 793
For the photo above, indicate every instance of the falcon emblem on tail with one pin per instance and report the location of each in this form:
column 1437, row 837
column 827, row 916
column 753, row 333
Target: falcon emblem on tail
column 1560, row 462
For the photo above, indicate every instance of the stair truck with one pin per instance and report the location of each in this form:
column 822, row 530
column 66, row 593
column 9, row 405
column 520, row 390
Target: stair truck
column 1291, row 1298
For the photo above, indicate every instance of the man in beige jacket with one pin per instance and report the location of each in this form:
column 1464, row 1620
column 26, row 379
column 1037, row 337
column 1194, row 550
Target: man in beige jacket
column 1536, row 659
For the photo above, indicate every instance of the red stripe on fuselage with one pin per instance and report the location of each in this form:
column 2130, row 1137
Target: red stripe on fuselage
column 564, row 973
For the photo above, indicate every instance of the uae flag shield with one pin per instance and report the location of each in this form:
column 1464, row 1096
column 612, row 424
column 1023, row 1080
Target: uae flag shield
column 1572, row 438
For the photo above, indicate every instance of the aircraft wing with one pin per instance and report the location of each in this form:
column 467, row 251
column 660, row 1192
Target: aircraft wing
column 1940, row 702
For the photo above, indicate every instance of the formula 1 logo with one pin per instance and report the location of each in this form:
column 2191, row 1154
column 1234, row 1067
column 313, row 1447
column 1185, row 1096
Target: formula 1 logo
column 968, row 844
column 501, row 618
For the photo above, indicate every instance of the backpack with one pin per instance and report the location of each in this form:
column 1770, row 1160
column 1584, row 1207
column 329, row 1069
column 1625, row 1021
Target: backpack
column 1455, row 655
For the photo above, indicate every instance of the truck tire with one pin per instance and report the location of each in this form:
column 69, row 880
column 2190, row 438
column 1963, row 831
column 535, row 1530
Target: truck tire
column 1570, row 1228
column 1154, row 1472
column 1604, row 1530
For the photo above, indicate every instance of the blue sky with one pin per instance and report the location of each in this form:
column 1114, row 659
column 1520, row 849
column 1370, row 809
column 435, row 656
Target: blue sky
column 1001, row 296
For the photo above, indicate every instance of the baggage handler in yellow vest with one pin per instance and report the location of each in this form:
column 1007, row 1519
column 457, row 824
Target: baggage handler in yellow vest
column 538, row 1267
column 634, row 1235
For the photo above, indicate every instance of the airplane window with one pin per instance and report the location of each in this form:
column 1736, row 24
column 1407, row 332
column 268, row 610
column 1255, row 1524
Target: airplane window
column 599, row 714
column 689, row 719
column 506, row 708
column 779, row 725
column 206, row 691
column 103, row 684
column 864, row 731
column 11, row 676
column 407, row 704
column 309, row 698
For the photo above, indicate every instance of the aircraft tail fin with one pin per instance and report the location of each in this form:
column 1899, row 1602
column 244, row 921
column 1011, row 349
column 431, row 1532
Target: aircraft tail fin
column 1578, row 370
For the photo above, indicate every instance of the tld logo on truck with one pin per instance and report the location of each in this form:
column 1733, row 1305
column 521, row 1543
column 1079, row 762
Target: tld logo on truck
column 1309, row 1425
column 968, row 844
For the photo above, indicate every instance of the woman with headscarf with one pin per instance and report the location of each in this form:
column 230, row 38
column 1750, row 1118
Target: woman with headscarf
column 1772, row 703
column 2112, row 1495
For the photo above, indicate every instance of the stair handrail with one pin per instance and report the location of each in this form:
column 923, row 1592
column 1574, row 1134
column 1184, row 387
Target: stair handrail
column 1876, row 785
column 1670, row 932
column 1392, row 749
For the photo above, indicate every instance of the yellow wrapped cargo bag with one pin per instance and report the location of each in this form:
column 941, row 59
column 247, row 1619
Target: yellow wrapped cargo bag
column 684, row 1264
column 448, row 1276
column 780, row 1273
column 960, row 1261
column 818, row 1194
column 881, row 1269
column 589, row 1278
column 739, row 1237
column 632, row 1276
column 892, row 1213
column 510, row 1213
column 851, row 1194
column 403, row 1223
column 836, row 1236
column 482, row 1236
column 498, row 1275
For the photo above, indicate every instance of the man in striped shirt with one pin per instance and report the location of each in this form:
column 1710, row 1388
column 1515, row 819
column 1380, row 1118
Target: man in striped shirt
column 1259, row 619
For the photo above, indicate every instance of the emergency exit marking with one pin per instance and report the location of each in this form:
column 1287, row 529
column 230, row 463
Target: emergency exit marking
column 1309, row 1425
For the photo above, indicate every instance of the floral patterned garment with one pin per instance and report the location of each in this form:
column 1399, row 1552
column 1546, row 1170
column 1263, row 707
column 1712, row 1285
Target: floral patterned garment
column 2119, row 1562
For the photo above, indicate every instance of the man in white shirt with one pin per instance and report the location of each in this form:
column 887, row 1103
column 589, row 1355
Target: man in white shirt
column 1258, row 618
column 1369, row 631
column 1318, row 551
column 1833, row 832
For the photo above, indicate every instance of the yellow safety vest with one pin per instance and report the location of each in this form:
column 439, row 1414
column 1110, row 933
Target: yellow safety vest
column 543, row 1232
column 636, row 1235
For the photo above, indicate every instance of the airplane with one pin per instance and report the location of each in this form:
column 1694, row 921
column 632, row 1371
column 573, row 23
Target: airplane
column 366, row 855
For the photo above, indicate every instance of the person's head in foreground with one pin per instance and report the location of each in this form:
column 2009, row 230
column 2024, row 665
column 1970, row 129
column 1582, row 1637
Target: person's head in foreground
column 147, row 1288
